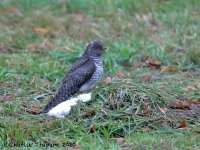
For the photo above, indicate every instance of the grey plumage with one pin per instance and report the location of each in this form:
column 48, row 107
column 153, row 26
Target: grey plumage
column 83, row 75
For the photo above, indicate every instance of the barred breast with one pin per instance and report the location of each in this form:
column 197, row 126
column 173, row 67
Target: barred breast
column 95, row 77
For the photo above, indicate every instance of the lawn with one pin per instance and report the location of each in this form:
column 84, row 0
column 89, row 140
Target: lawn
column 149, row 95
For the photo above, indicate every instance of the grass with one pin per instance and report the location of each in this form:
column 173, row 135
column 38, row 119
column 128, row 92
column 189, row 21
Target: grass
column 39, row 40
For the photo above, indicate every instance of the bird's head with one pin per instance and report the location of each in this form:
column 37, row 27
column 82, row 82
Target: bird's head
column 95, row 49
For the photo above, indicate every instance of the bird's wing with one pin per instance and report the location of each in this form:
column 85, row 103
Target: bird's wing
column 81, row 71
column 80, row 62
column 72, row 82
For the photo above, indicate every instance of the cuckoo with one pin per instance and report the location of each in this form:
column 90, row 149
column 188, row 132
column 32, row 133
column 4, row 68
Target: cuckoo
column 83, row 75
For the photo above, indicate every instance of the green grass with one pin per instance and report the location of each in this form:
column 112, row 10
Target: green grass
column 32, row 65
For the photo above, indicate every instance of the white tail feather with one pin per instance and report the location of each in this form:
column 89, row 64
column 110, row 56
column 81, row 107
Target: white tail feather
column 64, row 108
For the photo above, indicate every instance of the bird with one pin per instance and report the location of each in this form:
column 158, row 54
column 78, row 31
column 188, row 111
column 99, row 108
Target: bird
column 83, row 75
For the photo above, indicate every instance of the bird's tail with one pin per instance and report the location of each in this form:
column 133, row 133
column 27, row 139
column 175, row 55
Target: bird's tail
column 55, row 101
column 68, row 88
column 64, row 93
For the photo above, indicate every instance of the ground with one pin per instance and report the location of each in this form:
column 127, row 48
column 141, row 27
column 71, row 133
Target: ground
column 148, row 97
